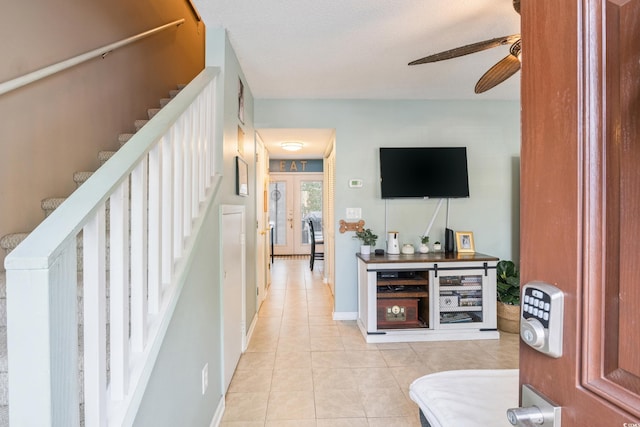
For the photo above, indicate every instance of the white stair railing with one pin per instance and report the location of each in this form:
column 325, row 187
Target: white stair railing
column 156, row 187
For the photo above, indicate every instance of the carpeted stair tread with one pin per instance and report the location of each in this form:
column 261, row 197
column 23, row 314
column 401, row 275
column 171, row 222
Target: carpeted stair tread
column 80, row 177
column 10, row 241
column 152, row 112
column 124, row 137
column 105, row 155
column 174, row 92
column 139, row 124
column 164, row 102
column 50, row 204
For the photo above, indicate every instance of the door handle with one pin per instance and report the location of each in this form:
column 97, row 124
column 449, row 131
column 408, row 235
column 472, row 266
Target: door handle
column 536, row 410
column 530, row 416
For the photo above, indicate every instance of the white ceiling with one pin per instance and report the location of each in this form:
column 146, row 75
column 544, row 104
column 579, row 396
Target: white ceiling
column 359, row 49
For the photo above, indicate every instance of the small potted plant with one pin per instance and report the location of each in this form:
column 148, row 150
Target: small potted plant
column 424, row 244
column 368, row 240
column 508, row 293
column 437, row 247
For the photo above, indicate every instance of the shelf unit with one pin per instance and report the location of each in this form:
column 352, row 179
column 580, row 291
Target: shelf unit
column 427, row 297
column 402, row 299
column 460, row 298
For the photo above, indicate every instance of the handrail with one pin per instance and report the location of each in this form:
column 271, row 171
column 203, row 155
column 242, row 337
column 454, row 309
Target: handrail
column 194, row 10
column 103, row 51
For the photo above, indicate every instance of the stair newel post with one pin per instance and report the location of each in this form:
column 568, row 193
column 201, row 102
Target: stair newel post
column 42, row 338
column 95, row 320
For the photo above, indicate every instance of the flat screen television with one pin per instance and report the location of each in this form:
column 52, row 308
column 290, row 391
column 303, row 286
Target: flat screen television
column 424, row 172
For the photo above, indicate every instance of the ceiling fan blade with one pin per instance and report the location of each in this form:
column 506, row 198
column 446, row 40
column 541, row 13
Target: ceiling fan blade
column 500, row 72
column 466, row 50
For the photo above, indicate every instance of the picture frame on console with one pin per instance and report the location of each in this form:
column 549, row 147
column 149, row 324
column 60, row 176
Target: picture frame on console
column 464, row 242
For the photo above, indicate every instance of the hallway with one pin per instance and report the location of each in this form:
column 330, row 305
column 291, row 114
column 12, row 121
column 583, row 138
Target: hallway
column 302, row 368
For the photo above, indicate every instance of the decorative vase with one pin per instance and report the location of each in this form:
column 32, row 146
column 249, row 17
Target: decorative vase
column 365, row 250
column 424, row 248
column 408, row 249
column 508, row 318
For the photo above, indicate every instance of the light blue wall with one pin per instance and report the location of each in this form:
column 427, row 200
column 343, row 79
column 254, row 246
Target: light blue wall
column 194, row 337
column 489, row 129
column 174, row 396
column 219, row 53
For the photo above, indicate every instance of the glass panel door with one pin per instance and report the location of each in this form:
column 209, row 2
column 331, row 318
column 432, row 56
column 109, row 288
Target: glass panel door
column 294, row 200
column 280, row 216
column 310, row 203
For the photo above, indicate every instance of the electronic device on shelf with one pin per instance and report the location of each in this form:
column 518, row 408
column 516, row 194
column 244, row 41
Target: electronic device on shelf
column 424, row 172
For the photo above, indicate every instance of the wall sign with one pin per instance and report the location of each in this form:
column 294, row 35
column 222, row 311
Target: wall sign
column 295, row 165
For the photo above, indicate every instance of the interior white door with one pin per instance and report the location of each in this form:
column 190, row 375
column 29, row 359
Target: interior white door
column 233, row 285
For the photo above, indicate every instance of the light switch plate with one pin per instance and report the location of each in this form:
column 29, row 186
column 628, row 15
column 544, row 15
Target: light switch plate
column 354, row 213
column 355, row 183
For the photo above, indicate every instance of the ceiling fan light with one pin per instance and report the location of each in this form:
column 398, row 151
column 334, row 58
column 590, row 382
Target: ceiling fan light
column 291, row 145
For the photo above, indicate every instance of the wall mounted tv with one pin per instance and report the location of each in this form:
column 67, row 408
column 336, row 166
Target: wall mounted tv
column 421, row 172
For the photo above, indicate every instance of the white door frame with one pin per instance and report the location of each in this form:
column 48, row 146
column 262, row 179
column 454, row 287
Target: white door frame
column 262, row 217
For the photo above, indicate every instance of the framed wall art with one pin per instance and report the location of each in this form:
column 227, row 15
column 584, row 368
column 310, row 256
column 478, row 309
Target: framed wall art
column 242, row 177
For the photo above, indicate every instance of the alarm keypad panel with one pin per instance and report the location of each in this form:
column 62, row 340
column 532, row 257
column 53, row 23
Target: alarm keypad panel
column 537, row 304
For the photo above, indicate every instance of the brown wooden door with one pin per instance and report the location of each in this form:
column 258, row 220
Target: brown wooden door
column 580, row 206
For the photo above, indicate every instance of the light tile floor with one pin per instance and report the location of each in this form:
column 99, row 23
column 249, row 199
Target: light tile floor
column 302, row 368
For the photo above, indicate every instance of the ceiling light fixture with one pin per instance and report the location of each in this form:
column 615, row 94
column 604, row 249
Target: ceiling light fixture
column 291, row 145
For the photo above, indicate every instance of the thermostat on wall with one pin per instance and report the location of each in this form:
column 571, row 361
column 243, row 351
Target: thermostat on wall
column 355, row 183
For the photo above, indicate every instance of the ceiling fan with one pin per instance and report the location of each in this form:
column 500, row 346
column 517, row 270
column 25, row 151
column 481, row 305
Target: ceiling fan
column 500, row 72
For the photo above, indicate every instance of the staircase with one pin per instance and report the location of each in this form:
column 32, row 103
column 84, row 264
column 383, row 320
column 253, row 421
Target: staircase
column 11, row 241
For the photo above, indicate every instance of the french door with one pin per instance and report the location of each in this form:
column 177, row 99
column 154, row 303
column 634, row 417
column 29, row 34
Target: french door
column 294, row 199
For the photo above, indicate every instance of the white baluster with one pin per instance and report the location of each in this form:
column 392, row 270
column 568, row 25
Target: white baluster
column 119, row 290
column 95, row 327
column 155, row 232
column 139, row 257
column 167, row 209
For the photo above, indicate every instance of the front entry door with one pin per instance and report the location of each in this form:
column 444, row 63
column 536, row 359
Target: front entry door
column 294, row 200
column 580, row 201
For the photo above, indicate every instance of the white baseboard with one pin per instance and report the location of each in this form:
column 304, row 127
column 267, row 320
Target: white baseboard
column 345, row 315
column 217, row 417
column 247, row 338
